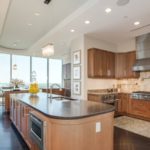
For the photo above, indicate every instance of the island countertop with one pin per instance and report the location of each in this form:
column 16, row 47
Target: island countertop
column 63, row 109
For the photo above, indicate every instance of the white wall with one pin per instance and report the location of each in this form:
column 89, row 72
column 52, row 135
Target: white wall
column 66, row 58
column 126, row 46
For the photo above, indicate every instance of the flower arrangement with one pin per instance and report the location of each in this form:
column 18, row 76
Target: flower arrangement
column 16, row 82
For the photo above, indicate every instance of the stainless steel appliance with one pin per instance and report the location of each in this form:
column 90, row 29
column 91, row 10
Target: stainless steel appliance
column 37, row 130
column 141, row 95
column 142, row 53
column 110, row 99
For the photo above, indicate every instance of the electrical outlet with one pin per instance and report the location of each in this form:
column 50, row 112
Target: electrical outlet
column 98, row 127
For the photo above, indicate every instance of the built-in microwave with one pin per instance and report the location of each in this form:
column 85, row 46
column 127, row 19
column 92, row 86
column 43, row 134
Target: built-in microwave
column 37, row 130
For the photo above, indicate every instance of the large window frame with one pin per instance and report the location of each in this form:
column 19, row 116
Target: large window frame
column 48, row 64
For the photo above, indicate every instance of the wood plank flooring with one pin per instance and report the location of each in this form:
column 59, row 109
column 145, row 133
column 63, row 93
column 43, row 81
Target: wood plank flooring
column 11, row 140
column 9, row 137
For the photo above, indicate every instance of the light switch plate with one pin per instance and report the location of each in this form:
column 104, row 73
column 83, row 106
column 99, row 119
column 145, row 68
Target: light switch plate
column 98, row 127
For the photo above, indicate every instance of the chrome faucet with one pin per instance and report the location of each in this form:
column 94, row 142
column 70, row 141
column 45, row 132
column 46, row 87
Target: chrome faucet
column 51, row 88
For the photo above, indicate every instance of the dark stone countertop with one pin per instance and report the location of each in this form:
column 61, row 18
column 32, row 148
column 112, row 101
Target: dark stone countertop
column 63, row 109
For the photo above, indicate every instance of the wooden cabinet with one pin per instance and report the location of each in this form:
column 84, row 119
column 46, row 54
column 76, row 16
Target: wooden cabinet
column 101, row 64
column 123, row 65
column 7, row 97
column 110, row 64
column 140, row 108
column 94, row 97
column 120, row 65
column 122, row 103
column 19, row 116
column 105, row 64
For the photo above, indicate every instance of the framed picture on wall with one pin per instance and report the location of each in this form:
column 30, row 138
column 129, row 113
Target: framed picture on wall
column 77, row 87
column 76, row 72
column 77, row 57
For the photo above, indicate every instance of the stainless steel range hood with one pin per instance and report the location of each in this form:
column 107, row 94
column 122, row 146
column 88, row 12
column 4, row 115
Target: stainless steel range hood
column 142, row 53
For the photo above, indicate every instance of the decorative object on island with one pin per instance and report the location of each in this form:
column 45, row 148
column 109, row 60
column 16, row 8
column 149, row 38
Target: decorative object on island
column 76, row 72
column 16, row 83
column 48, row 50
column 34, row 88
column 77, row 87
column 77, row 57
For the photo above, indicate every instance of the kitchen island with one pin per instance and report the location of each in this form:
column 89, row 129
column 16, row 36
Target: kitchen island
column 62, row 124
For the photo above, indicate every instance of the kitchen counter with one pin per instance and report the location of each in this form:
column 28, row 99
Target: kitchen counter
column 66, row 124
column 63, row 109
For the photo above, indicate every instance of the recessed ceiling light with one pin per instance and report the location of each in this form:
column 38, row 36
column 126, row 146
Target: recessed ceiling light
column 72, row 30
column 136, row 23
column 36, row 14
column 29, row 24
column 108, row 10
column 14, row 44
column 87, row 22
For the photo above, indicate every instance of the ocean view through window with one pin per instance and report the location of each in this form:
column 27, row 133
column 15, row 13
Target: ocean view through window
column 21, row 67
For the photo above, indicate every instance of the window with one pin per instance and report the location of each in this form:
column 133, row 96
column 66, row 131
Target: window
column 21, row 68
column 4, row 69
column 39, row 65
column 55, row 71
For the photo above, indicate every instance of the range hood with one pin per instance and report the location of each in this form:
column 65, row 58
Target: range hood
column 142, row 53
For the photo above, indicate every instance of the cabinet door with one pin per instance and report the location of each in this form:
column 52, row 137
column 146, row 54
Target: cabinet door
column 120, row 65
column 119, row 104
column 125, row 103
column 131, row 58
column 110, row 65
column 100, row 64
column 94, row 97
column 140, row 108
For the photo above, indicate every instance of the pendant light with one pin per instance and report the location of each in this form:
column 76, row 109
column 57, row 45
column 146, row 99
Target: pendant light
column 48, row 50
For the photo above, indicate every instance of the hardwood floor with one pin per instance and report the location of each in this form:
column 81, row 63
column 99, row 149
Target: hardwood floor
column 123, row 140
column 9, row 138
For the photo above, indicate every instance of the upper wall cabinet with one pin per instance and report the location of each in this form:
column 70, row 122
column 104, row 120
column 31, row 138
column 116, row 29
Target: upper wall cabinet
column 124, row 63
column 105, row 64
column 101, row 64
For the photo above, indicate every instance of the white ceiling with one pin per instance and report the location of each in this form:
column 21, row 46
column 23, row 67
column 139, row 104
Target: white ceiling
column 57, row 18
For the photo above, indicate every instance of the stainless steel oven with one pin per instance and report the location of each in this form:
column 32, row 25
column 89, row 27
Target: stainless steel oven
column 37, row 131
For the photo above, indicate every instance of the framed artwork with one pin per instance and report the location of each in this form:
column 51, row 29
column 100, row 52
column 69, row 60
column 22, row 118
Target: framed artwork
column 77, row 57
column 76, row 72
column 77, row 87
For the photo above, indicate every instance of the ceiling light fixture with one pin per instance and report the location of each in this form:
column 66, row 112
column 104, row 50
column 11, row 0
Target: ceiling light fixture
column 48, row 50
column 108, row 10
column 36, row 14
column 136, row 23
column 29, row 24
column 14, row 67
column 87, row 22
column 15, row 44
column 72, row 30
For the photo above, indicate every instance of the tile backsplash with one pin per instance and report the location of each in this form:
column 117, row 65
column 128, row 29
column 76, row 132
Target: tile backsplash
column 130, row 85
